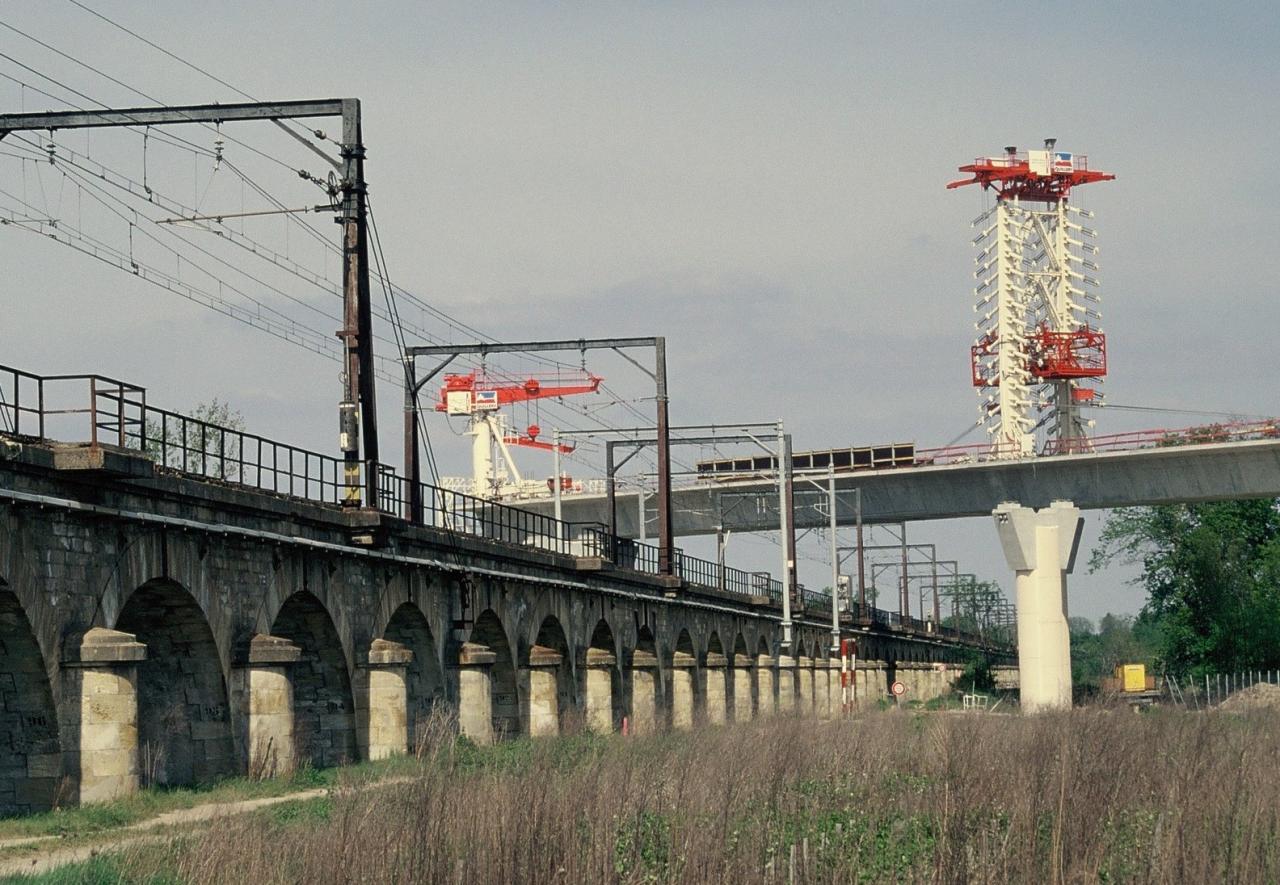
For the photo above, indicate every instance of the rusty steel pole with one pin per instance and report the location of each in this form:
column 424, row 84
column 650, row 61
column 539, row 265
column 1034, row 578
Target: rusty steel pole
column 666, row 530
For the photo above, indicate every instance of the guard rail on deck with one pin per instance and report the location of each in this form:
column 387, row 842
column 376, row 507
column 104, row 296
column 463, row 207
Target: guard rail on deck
column 105, row 411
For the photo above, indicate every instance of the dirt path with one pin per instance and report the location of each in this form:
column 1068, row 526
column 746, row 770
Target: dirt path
column 43, row 855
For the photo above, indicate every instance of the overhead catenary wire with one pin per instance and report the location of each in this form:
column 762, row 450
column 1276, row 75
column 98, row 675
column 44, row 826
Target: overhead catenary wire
column 450, row 321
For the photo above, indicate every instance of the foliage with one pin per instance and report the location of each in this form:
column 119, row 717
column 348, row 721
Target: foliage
column 205, row 441
column 1212, row 577
column 977, row 675
column 1118, row 639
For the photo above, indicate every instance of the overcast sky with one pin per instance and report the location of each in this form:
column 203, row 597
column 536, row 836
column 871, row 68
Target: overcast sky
column 763, row 184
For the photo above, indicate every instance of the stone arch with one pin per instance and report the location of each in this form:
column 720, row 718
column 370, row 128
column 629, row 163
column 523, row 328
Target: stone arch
column 645, row 641
column 601, row 647
column 184, row 720
column 30, row 750
column 549, row 643
column 424, row 680
column 762, row 647
column 739, row 644
column 714, row 645
column 489, row 632
column 323, row 708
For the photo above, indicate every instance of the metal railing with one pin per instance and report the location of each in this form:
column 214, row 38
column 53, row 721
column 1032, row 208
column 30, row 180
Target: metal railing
column 105, row 411
column 714, row 576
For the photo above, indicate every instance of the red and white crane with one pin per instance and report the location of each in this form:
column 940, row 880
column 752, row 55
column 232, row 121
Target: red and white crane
column 481, row 397
column 1037, row 343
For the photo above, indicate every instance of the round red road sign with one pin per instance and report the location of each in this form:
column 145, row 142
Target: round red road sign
column 898, row 689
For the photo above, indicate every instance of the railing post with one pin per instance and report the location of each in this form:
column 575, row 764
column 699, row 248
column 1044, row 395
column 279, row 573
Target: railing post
column 93, row 411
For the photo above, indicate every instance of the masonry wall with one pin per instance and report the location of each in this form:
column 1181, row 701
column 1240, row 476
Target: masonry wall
column 258, row 606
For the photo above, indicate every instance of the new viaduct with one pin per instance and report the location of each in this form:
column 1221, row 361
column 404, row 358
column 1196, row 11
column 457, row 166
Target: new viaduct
column 1211, row 471
column 158, row 627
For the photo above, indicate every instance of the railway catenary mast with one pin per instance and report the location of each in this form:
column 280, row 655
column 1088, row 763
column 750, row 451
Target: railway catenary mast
column 1036, row 296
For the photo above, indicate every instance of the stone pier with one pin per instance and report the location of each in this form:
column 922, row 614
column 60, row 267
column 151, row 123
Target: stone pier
column 786, row 684
column 742, row 673
column 644, row 692
column 683, row 671
column 541, row 690
column 262, row 695
column 766, row 691
column 475, row 692
column 387, row 732
column 100, row 691
column 599, row 668
column 716, row 704
column 804, row 686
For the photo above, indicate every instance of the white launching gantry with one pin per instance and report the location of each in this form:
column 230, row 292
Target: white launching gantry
column 1037, row 298
column 481, row 397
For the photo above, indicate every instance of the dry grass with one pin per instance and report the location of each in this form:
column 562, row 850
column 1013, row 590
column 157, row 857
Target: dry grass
column 1088, row 796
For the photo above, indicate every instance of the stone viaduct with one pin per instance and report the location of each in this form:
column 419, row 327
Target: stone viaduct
column 157, row 628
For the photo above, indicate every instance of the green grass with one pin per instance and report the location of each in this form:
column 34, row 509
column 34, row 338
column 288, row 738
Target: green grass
column 150, row 803
column 463, row 756
column 102, row 870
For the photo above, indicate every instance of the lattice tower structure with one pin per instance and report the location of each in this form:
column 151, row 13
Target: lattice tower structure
column 1037, row 294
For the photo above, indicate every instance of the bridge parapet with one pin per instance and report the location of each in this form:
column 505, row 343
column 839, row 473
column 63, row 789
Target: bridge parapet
column 109, row 429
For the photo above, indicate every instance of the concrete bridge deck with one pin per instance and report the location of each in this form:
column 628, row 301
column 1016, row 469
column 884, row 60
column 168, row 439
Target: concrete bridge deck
column 1096, row 480
column 157, row 628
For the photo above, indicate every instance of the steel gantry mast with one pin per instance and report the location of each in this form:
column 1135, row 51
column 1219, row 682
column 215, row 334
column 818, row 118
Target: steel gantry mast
column 357, row 411
column 1036, row 296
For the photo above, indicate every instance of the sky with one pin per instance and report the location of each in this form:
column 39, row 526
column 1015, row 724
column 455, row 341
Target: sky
column 763, row 184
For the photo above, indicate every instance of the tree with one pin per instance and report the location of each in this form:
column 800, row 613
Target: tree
column 206, row 441
column 1119, row 639
column 1212, row 576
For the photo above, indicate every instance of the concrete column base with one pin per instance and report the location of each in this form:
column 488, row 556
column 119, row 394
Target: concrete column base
column 100, row 697
column 475, row 692
column 600, row 665
column 716, row 705
column 387, row 731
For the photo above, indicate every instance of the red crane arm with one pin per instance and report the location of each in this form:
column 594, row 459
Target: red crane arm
column 530, row 442
column 515, row 390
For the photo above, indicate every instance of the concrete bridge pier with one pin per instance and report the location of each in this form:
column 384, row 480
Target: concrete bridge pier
column 386, row 732
column 599, row 695
column 262, row 694
column 100, row 691
column 541, row 684
column 644, row 692
column 741, row 675
column 683, row 671
column 766, row 696
column 475, row 692
column 715, row 703
column 1041, row 546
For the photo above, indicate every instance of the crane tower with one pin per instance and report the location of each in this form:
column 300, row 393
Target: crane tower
column 480, row 397
column 1037, row 344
